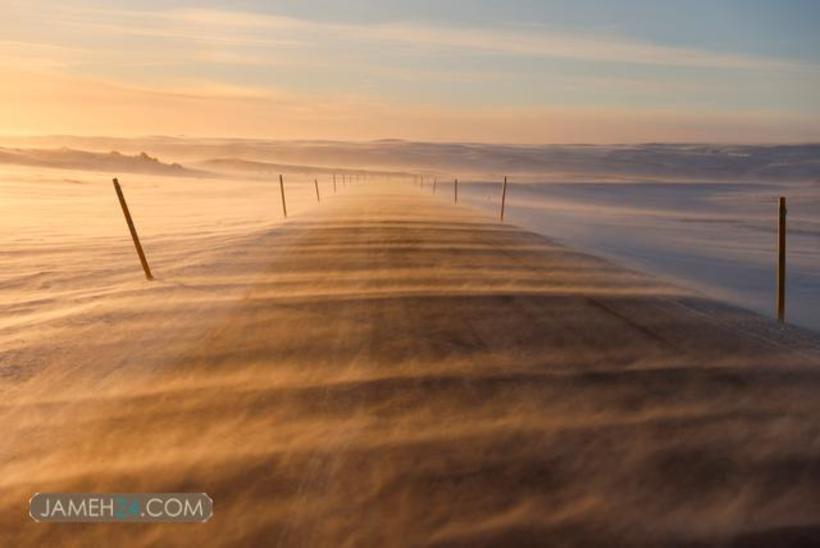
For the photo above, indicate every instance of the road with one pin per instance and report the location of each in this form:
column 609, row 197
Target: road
column 391, row 369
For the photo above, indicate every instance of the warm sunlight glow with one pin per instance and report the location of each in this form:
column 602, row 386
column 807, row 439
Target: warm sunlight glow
column 314, row 71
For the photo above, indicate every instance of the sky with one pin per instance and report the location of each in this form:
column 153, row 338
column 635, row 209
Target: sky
column 514, row 71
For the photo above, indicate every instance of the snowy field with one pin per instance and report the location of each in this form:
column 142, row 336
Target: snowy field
column 702, row 216
column 384, row 353
column 716, row 237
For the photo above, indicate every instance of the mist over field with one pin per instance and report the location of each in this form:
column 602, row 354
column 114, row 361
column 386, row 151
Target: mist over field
column 384, row 366
column 734, row 163
column 700, row 215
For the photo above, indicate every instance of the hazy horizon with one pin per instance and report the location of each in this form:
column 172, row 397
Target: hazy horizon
column 6, row 138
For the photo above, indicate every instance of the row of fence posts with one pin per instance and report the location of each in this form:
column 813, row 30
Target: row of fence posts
column 136, row 239
column 781, row 229
column 780, row 298
column 420, row 181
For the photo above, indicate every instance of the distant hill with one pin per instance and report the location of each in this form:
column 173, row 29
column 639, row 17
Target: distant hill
column 254, row 166
column 647, row 161
column 113, row 162
column 537, row 162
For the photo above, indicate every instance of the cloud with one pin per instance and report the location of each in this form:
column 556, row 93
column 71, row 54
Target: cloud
column 548, row 43
column 530, row 41
column 36, row 55
column 237, row 28
column 221, row 72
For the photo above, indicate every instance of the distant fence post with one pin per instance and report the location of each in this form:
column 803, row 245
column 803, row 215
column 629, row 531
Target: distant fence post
column 781, row 261
column 282, row 189
column 316, row 182
column 503, row 197
column 334, row 183
column 435, row 182
column 133, row 230
column 455, row 191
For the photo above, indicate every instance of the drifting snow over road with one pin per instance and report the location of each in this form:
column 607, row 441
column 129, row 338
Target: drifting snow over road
column 386, row 368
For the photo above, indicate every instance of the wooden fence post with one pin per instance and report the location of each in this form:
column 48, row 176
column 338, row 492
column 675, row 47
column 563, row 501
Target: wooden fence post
column 282, row 189
column 781, row 261
column 455, row 191
column 503, row 197
column 334, row 183
column 316, row 182
column 133, row 230
column 435, row 182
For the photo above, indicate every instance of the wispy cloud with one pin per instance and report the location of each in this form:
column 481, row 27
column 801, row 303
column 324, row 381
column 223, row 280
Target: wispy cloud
column 209, row 71
column 242, row 29
column 543, row 42
column 37, row 55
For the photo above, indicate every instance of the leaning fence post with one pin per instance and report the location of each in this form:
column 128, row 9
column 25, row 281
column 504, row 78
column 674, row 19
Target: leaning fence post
column 282, row 189
column 133, row 230
column 503, row 197
column 316, row 182
column 781, row 262
column 455, row 191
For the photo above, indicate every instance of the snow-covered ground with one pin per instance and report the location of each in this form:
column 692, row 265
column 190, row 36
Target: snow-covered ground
column 717, row 237
column 704, row 216
column 64, row 243
column 381, row 369
column 384, row 353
